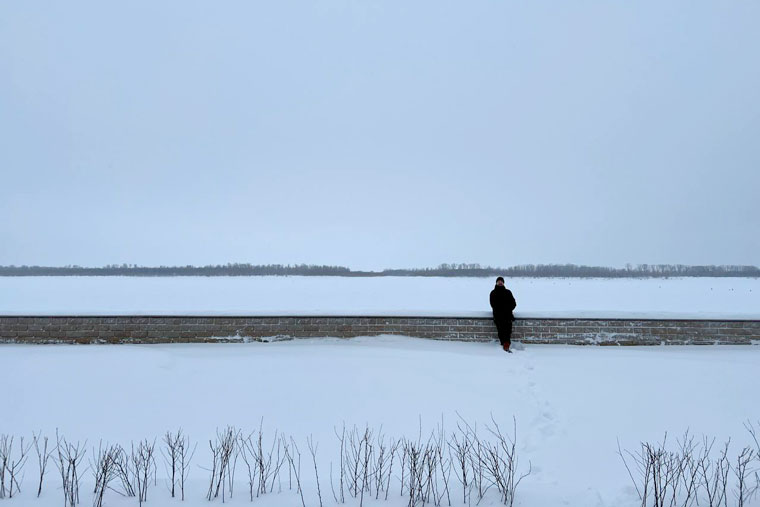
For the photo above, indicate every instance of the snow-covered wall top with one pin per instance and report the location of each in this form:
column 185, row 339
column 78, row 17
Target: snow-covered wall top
column 686, row 298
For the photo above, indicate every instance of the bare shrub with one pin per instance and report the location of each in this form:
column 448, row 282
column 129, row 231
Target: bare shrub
column 313, row 450
column 753, row 432
column 104, row 470
column 460, row 448
column 743, row 490
column 480, row 463
column 124, row 471
column 414, row 470
column 11, row 464
column 43, row 455
column 424, row 466
column 714, row 474
column 70, row 456
column 500, row 461
column 364, row 463
column 263, row 462
column 176, row 459
column 382, row 464
column 177, row 455
column 369, row 463
column 222, row 451
column 143, row 466
column 293, row 456
column 692, row 474
column 185, row 457
column 352, row 459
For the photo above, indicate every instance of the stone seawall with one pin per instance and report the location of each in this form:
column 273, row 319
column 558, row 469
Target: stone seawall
column 189, row 329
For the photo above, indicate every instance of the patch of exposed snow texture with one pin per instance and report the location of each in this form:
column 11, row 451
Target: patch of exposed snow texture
column 571, row 404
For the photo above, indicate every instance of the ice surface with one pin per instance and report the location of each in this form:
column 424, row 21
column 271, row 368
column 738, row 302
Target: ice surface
column 728, row 298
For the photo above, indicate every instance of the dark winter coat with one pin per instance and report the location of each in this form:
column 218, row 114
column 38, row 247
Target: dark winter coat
column 502, row 303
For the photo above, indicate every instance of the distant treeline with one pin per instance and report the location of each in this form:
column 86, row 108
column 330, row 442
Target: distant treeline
column 526, row 270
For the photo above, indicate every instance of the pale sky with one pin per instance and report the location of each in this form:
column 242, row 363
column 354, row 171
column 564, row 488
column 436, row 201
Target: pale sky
column 379, row 134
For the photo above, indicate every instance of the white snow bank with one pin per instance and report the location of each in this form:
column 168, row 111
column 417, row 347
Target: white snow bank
column 571, row 403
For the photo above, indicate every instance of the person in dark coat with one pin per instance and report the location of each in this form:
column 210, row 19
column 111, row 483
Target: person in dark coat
column 502, row 303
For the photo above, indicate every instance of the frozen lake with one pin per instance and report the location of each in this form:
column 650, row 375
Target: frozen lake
column 735, row 298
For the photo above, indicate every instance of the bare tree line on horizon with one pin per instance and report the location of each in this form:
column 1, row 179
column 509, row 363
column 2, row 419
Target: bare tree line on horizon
column 444, row 270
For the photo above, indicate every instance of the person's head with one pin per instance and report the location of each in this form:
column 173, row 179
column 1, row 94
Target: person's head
column 500, row 282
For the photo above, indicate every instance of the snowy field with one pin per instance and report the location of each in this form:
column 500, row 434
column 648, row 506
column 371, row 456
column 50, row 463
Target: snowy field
column 571, row 405
column 668, row 298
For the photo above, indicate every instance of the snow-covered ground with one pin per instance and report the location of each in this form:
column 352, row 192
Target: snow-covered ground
column 571, row 404
column 536, row 297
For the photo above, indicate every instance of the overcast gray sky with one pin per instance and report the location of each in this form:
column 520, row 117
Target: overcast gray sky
column 378, row 134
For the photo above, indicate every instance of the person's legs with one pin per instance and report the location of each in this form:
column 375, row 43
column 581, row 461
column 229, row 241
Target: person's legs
column 504, row 328
column 499, row 331
column 507, row 341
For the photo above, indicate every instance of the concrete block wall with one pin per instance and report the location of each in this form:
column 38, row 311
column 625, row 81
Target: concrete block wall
column 187, row 329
